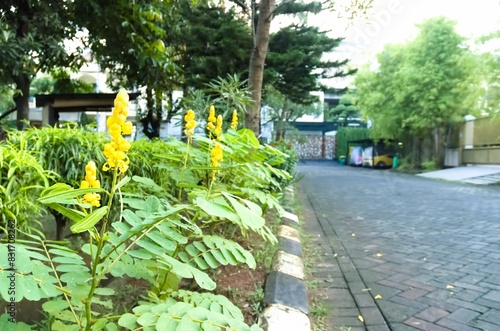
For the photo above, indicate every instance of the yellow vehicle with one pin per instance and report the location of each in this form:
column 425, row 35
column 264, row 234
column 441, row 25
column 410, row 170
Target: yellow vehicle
column 372, row 158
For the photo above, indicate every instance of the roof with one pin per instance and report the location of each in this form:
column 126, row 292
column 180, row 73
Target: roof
column 76, row 102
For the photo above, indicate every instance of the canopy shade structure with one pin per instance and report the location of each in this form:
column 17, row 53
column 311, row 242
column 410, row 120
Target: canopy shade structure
column 53, row 104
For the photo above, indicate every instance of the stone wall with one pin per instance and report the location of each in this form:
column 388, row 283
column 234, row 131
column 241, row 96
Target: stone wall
column 316, row 148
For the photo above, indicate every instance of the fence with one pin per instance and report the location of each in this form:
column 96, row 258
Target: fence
column 316, row 148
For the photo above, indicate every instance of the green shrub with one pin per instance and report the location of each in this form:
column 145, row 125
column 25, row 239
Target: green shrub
column 171, row 216
column 21, row 181
column 289, row 163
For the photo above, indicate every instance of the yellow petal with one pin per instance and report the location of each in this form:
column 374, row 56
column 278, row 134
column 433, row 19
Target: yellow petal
column 379, row 255
column 378, row 297
column 450, row 286
column 361, row 318
column 354, row 235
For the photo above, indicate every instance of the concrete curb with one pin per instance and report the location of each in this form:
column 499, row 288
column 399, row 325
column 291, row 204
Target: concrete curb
column 285, row 290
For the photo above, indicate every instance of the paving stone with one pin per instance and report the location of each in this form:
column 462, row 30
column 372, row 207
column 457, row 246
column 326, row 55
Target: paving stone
column 395, row 285
column 372, row 316
column 481, row 289
column 286, row 290
column 485, row 326
column 339, row 298
column 450, row 237
column 381, row 327
column 492, row 295
column 424, row 325
column 492, row 316
column 488, row 303
column 463, row 315
column 353, row 312
column 455, row 326
column 346, row 323
column 413, row 293
column 290, row 246
column 441, row 295
column 432, row 314
column 396, row 313
column 415, row 284
column 468, row 305
column 409, row 303
column 469, row 295
column 402, row 327
column 364, row 300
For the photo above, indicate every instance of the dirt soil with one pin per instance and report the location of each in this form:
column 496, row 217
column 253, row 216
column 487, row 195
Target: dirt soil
column 244, row 287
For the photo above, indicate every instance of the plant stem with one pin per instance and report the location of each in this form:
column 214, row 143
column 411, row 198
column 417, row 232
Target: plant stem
column 190, row 140
column 100, row 244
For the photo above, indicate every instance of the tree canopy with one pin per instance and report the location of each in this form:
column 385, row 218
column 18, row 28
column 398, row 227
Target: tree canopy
column 294, row 66
column 32, row 40
column 420, row 89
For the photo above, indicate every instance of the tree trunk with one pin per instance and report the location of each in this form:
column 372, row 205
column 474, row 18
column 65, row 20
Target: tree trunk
column 148, row 122
column 22, row 99
column 257, row 59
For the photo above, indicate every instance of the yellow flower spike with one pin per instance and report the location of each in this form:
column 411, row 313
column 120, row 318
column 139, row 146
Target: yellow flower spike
column 211, row 116
column 127, row 128
column 117, row 126
column 218, row 127
column 190, row 123
column 91, row 181
column 216, row 156
column 234, row 121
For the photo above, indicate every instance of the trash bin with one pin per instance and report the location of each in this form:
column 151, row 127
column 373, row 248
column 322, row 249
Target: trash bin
column 395, row 162
column 342, row 160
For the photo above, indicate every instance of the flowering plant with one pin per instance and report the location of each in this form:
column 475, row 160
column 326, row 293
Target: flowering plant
column 150, row 232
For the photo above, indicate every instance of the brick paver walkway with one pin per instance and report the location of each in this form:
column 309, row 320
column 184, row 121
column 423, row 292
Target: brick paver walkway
column 405, row 253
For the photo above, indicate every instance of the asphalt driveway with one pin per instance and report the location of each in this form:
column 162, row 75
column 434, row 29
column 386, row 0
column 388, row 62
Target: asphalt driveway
column 401, row 252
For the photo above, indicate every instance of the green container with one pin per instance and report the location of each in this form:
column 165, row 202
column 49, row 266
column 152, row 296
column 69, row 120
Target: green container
column 395, row 161
column 342, row 160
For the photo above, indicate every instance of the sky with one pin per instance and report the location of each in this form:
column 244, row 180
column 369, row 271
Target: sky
column 393, row 21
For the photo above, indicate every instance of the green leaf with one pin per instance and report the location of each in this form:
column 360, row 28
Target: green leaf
column 55, row 306
column 166, row 323
column 72, row 214
column 131, row 217
column 147, row 319
column 149, row 183
column 122, row 182
column 6, row 325
column 104, row 291
column 216, row 209
column 89, row 221
column 72, row 268
column 164, row 242
column 187, row 324
column 63, row 193
column 249, row 219
column 128, row 321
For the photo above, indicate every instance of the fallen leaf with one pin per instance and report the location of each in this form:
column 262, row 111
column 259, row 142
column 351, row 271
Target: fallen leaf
column 378, row 296
column 450, row 286
column 361, row 318
column 354, row 235
column 379, row 255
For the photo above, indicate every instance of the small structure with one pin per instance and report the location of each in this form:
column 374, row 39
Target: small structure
column 55, row 104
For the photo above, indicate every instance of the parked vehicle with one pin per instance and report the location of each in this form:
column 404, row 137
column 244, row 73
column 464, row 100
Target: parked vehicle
column 373, row 157
column 356, row 156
